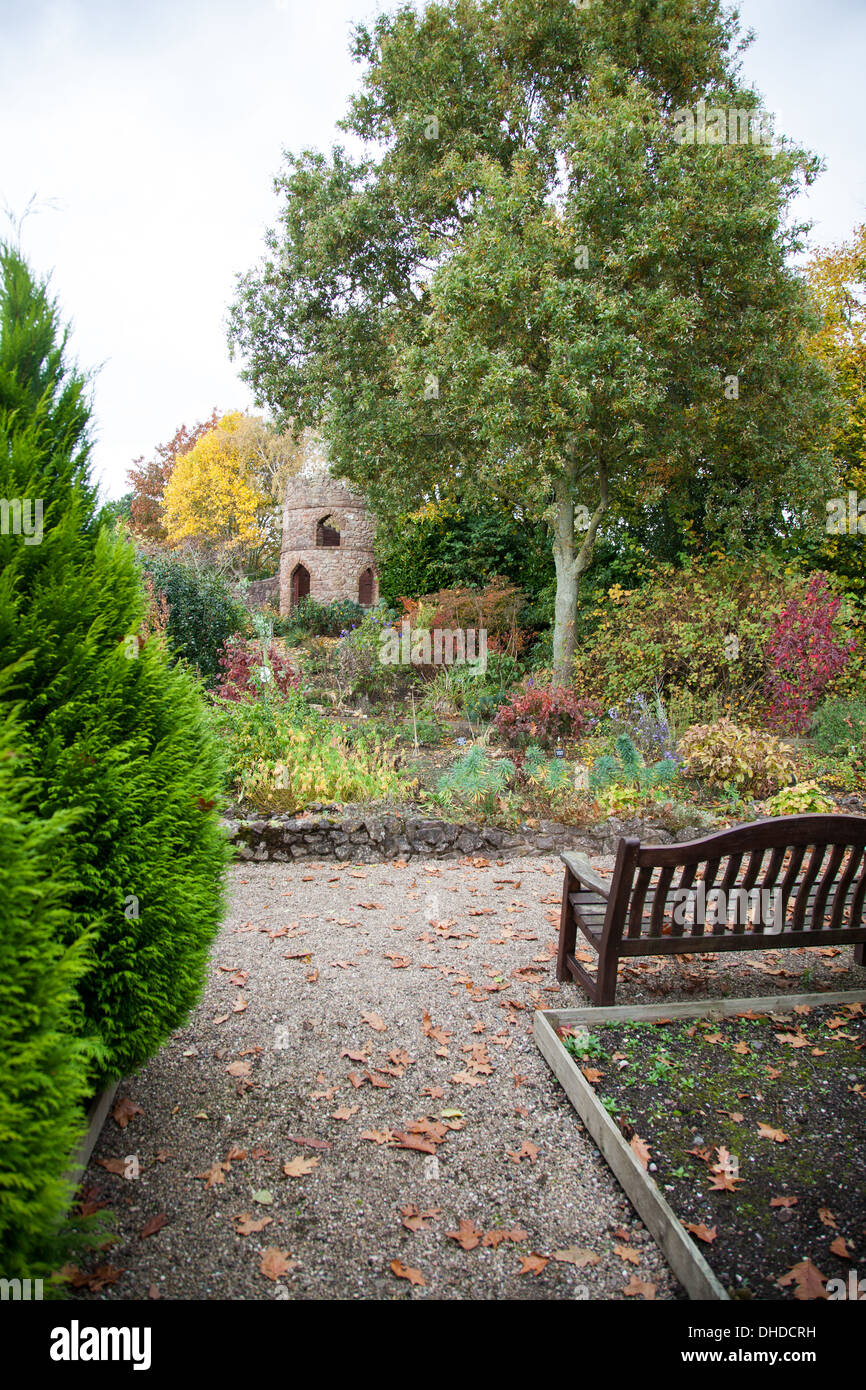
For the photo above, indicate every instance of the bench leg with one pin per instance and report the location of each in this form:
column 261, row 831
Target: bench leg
column 860, row 953
column 605, row 990
column 567, row 929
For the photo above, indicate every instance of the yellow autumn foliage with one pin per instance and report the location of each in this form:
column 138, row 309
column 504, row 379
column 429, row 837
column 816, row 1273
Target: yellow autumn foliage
column 217, row 498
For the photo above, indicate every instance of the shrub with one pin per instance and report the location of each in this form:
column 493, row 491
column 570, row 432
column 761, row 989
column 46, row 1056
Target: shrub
column 316, row 766
column 116, row 736
column 700, row 633
column 475, row 781
column 257, row 731
column 43, row 1066
column 550, row 774
column 202, row 616
column 626, row 769
column 840, row 726
column 805, row 655
column 647, row 724
column 495, row 609
column 806, row 798
column 723, row 754
column 545, row 715
column 247, row 664
column 309, row 618
column 358, row 657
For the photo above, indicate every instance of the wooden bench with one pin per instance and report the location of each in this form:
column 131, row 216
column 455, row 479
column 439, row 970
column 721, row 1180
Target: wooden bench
column 810, row 869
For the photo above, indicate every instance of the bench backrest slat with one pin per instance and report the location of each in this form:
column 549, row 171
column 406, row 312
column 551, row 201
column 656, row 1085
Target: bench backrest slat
column 790, row 879
column 859, row 894
column 843, row 887
column 661, row 895
column 813, row 860
column 638, row 898
column 816, row 859
column 828, row 878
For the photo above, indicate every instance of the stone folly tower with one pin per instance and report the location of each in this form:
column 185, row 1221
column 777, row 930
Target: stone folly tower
column 327, row 548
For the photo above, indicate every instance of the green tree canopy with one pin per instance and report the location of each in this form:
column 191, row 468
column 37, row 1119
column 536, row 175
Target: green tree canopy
column 529, row 286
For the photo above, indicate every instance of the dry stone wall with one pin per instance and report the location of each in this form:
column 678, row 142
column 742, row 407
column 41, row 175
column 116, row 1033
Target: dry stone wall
column 331, row 833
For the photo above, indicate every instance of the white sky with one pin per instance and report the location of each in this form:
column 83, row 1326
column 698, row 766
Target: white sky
column 151, row 130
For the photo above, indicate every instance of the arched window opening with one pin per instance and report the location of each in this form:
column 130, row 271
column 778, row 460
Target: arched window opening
column 326, row 532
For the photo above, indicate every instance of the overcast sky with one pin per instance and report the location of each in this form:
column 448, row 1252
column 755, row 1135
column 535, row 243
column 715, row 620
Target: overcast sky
column 150, row 132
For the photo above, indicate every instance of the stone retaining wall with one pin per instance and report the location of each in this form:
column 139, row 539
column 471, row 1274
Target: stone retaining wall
column 376, row 838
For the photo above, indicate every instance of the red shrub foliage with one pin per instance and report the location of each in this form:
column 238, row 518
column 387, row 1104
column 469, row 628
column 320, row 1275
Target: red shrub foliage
column 495, row 608
column 545, row 715
column 241, row 660
column 805, row 654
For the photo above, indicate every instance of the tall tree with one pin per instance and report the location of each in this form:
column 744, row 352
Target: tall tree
column 837, row 278
column 531, row 285
column 148, row 479
column 224, row 495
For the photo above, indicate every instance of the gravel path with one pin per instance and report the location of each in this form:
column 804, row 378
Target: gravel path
column 386, row 1000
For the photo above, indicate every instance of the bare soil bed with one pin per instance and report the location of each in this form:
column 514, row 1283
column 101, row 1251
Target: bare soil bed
column 753, row 1126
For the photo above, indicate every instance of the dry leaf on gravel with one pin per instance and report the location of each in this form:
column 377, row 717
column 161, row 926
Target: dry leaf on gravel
column 840, row 1247
column 246, row 1226
column 215, row 1174
column 275, row 1263
column 151, row 1227
column 768, row 1132
column 526, row 1150
column 495, row 1238
column 574, row 1255
column 401, row 1271
column 467, row 1236
column 300, row 1167
column 638, row 1288
column 124, row 1111
column 415, row 1220
column 702, row 1231
column 375, row 1021
column 308, row 1143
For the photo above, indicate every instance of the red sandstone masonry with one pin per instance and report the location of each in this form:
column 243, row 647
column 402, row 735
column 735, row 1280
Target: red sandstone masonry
column 335, row 571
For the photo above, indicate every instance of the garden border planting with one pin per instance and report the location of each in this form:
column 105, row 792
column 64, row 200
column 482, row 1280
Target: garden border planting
column 686, row 1261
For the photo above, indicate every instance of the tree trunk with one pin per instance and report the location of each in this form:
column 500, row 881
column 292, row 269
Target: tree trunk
column 570, row 563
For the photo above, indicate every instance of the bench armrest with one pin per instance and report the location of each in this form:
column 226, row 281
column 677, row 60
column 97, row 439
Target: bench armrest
column 580, row 867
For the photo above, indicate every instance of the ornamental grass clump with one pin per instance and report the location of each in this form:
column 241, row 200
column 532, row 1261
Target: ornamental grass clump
column 316, row 766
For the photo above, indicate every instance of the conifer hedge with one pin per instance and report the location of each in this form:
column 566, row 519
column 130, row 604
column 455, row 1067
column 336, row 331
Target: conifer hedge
column 43, row 1062
column 110, row 784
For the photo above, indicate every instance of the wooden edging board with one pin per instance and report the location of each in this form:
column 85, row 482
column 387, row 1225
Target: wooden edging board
column 677, row 1246
column 97, row 1114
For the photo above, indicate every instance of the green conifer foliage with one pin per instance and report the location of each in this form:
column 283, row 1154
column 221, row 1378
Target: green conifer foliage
column 43, row 1064
column 115, row 733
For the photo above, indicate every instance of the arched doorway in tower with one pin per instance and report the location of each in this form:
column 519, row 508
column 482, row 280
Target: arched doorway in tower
column 300, row 584
column 365, row 588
